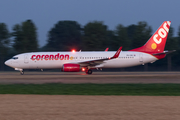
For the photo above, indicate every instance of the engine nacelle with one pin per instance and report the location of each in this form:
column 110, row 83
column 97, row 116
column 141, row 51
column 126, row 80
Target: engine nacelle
column 71, row 68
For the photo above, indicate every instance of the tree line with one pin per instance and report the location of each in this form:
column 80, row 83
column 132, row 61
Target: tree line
column 94, row 36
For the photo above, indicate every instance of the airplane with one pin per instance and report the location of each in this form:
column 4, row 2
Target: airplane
column 74, row 61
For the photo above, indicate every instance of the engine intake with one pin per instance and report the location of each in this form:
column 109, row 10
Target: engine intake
column 71, row 68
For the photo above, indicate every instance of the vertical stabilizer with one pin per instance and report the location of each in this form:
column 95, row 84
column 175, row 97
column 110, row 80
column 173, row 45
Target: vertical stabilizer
column 157, row 41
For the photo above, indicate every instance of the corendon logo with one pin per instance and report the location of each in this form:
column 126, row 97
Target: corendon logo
column 162, row 33
column 50, row 57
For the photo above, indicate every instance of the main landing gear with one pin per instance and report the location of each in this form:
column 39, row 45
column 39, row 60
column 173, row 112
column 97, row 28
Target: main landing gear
column 89, row 71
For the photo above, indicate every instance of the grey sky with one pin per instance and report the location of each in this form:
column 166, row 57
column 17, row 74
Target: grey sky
column 46, row 13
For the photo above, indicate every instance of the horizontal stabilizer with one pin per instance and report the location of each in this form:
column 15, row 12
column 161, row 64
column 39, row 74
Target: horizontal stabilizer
column 164, row 52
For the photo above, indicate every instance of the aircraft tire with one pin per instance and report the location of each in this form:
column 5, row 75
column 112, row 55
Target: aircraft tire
column 89, row 71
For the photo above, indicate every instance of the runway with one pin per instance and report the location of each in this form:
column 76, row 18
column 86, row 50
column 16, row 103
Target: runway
column 96, row 77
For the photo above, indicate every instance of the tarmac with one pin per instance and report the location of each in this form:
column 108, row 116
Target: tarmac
column 96, row 77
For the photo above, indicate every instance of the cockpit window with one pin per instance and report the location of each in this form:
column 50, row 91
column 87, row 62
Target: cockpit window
column 15, row 58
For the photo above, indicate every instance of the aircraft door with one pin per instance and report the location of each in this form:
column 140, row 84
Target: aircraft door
column 26, row 60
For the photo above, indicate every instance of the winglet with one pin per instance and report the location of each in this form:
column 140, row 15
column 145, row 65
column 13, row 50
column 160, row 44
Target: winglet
column 117, row 53
column 106, row 49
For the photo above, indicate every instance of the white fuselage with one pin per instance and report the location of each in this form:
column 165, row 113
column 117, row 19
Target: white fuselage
column 49, row 60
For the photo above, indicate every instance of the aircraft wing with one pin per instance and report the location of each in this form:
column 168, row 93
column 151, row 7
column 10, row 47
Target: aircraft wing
column 99, row 61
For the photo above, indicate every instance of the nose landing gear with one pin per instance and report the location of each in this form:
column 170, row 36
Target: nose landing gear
column 22, row 72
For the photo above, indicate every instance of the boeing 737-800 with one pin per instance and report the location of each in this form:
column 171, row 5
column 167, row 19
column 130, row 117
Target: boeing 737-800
column 86, row 61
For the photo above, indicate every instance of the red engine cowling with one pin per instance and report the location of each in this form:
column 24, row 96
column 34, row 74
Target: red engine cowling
column 71, row 68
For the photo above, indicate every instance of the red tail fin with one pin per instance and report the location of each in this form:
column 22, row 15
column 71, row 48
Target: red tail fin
column 157, row 42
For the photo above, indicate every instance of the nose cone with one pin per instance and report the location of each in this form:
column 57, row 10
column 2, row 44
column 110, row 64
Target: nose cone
column 8, row 62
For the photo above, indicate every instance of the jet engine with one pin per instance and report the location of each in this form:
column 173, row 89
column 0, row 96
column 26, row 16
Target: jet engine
column 71, row 67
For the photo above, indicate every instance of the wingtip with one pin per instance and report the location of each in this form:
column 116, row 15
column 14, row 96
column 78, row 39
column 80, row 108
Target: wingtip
column 116, row 55
column 106, row 49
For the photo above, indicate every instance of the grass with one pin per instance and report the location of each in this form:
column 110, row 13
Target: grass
column 93, row 89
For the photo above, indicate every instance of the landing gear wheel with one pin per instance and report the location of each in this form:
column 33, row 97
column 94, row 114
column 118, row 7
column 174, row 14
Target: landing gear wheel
column 89, row 71
column 22, row 72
